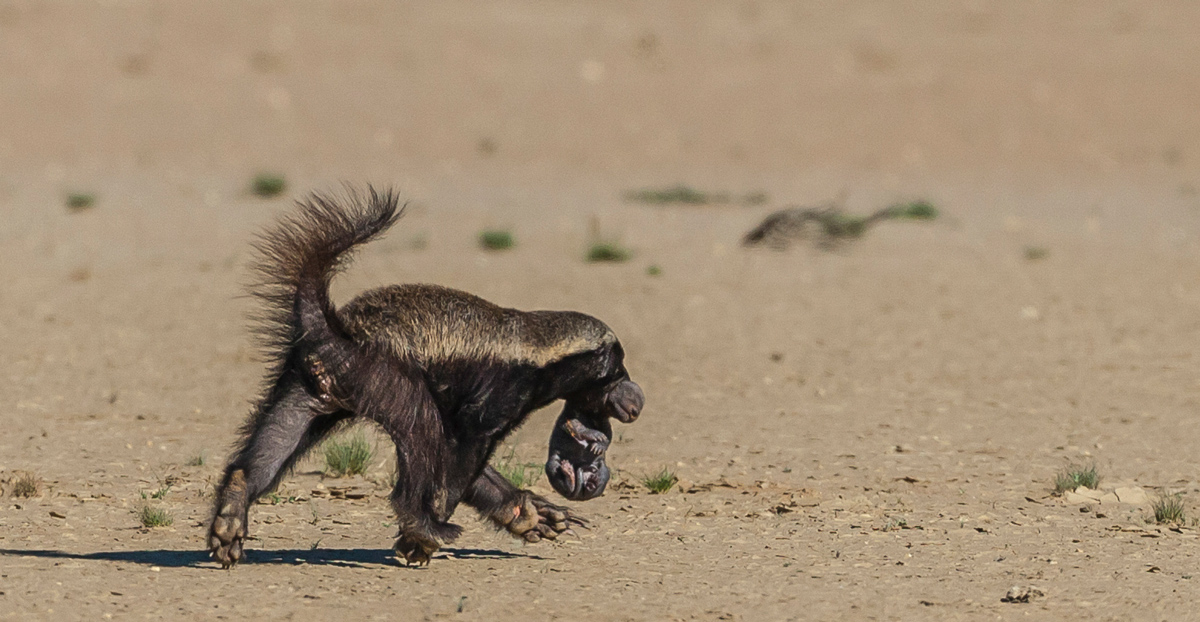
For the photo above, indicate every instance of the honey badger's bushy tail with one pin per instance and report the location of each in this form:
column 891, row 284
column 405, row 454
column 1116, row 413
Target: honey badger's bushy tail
column 297, row 259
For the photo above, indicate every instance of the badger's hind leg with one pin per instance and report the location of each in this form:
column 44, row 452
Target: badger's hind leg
column 288, row 423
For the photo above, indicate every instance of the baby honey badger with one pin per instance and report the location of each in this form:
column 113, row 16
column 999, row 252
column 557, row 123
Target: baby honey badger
column 581, row 436
column 446, row 374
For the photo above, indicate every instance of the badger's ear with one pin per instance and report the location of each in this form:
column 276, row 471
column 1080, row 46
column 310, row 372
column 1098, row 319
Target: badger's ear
column 625, row 401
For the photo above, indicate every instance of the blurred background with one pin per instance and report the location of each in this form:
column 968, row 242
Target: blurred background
column 805, row 96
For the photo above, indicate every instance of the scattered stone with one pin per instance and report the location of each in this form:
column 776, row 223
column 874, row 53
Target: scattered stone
column 1076, row 496
column 721, row 483
column 340, row 492
column 1021, row 594
column 1134, row 495
column 790, row 502
column 57, row 514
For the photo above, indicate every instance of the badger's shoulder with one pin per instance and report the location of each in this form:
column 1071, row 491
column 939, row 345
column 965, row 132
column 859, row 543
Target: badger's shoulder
column 433, row 324
column 555, row 335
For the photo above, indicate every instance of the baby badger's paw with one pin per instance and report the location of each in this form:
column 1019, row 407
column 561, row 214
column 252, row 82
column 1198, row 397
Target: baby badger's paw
column 227, row 533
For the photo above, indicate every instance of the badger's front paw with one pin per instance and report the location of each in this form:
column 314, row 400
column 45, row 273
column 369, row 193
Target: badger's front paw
column 535, row 519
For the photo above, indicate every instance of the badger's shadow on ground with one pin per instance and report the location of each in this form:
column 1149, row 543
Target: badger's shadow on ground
column 322, row 557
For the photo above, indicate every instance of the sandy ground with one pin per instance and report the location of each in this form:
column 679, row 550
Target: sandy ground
column 870, row 432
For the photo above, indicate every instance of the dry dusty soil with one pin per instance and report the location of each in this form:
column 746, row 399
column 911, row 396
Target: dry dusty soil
column 864, row 431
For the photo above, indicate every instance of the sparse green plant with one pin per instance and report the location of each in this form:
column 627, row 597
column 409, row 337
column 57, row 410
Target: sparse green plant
column 155, row 517
column 80, row 200
column 1035, row 253
column 197, row 460
column 831, row 222
column 275, row 498
column 496, row 239
column 653, row 270
column 838, row 224
column 660, row 482
column 917, row 210
column 25, row 484
column 674, row 194
column 267, row 185
column 1169, row 509
column 1077, row 475
column 520, row 474
column 161, row 492
column 348, row 456
column 608, row 251
column 756, row 198
column 687, row 195
column 895, row 523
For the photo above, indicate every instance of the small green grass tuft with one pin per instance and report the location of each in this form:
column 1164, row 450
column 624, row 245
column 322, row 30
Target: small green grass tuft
column 267, row 185
column 756, row 198
column 1168, row 509
column 1036, row 253
column 24, row 485
column 916, row 210
column 155, row 517
column 79, row 201
column 674, row 194
column 418, row 242
column 1075, row 476
column 654, row 270
column 275, row 499
column 197, row 460
column 496, row 240
column 660, row 482
column 837, row 224
column 348, row 456
column 683, row 194
column 608, row 251
column 519, row 474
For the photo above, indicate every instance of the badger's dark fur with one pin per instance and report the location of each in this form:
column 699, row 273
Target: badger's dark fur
column 445, row 373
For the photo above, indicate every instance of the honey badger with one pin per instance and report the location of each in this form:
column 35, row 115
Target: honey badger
column 446, row 374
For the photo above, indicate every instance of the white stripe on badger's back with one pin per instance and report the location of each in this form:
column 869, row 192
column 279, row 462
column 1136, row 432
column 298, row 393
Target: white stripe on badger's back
column 432, row 324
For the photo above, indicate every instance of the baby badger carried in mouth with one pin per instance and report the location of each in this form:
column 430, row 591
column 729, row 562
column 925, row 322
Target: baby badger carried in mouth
column 446, row 374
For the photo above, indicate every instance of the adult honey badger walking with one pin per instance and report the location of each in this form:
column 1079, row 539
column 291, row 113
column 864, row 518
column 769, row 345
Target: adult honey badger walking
column 446, row 374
